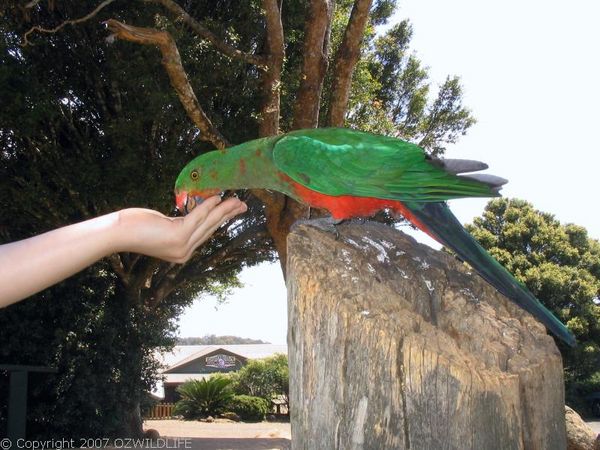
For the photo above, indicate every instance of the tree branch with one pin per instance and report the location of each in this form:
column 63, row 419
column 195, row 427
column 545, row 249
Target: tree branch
column 314, row 66
column 345, row 62
column 32, row 3
column 116, row 262
column 221, row 260
column 271, row 78
column 179, row 80
column 205, row 33
column 62, row 25
column 198, row 266
column 141, row 278
column 281, row 211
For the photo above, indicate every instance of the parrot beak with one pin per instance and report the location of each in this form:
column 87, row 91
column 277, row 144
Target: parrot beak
column 181, row 201
column 185, row 202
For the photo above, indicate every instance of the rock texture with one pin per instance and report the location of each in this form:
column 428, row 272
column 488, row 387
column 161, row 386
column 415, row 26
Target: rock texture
column 579, row 435
column 394, row 345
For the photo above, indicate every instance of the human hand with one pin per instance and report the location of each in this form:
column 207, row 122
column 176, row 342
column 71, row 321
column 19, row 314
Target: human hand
column 173, row 238
column 33, row 264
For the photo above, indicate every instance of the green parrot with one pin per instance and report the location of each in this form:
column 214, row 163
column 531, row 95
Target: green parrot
column 356, row 174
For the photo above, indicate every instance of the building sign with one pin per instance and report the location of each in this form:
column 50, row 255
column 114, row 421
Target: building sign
column 220, row 361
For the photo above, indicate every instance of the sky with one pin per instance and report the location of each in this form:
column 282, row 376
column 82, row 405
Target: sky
column 531, row 76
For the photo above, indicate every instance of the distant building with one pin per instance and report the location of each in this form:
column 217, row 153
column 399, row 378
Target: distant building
column 195, row 362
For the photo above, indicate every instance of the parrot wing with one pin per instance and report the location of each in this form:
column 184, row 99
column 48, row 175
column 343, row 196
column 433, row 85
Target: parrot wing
column 337, row 161
column 446, row 228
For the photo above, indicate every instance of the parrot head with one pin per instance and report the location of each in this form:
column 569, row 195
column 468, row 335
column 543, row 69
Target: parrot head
column 193, row 185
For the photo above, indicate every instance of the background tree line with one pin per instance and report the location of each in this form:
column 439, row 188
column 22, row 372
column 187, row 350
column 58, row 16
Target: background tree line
column 211, row 339
column 560, row 264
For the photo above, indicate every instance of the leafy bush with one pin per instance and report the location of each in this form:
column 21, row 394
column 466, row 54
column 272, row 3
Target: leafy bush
column 266, row 378
column 248, row 407
column 203, row 398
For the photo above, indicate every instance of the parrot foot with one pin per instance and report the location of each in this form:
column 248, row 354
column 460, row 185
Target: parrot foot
column 359, row 220
column 327, row 224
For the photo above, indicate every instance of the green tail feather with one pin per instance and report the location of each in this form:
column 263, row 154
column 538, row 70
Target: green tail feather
column 449, row 231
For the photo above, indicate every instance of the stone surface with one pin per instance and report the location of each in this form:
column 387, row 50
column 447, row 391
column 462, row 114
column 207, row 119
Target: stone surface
column 579, row 435
column 231, row 416
column 395, row 345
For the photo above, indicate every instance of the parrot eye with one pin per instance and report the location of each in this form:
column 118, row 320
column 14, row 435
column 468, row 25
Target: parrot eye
column 195, row 175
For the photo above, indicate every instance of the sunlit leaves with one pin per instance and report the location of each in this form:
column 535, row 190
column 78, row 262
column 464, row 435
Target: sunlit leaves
column 393, row 95
column 559, row 264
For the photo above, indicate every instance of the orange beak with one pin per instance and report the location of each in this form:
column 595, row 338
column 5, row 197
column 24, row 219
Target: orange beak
column 186, row 201
column 181, row 200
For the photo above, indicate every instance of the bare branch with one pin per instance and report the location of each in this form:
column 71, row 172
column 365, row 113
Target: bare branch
column 117, row 265
column 271, row 78
column 234, row 248
column 141, row 278
column 345, row 62
column 179, row 80
column 222, row 259
column 314, row 66
column 205, row 33
column 161, row 292
column 282, row 211
column 32, row 3
column 166, row 273
column 65, row 23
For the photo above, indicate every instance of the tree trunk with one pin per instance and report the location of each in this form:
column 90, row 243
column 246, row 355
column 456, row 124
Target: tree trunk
column 133, row 423
column 395, row 345
column 345, row 62
column 314, row 64
column 271, row 78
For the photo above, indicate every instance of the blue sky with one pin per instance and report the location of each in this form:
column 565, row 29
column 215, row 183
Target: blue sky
column 531, row 75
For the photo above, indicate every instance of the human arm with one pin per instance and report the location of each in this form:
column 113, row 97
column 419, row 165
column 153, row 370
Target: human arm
column 33, row 264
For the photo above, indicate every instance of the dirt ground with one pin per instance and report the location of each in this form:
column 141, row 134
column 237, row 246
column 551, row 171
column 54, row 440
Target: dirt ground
column 223, row 436
column 234, row 436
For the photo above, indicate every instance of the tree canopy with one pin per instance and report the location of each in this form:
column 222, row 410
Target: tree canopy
column 95, row 120
column 560, row 264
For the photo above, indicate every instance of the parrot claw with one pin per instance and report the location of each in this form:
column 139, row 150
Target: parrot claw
column 327, row 224
column 359, row 220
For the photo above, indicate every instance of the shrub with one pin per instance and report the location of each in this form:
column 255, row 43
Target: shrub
column 266, row 378
column 248, row 407
column 203, row 398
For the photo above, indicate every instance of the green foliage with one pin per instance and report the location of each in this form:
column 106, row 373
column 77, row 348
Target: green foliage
column 87, row 127
column 102, row 347
column 252, row 409
column 560, row 264
column 203, row 398
column 382, row 11
column 211, row 339
column 391, row 94
column 266, row 378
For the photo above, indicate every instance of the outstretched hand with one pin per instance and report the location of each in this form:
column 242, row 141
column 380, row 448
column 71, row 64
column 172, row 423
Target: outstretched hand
column 175, row 238
column 33, row 264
